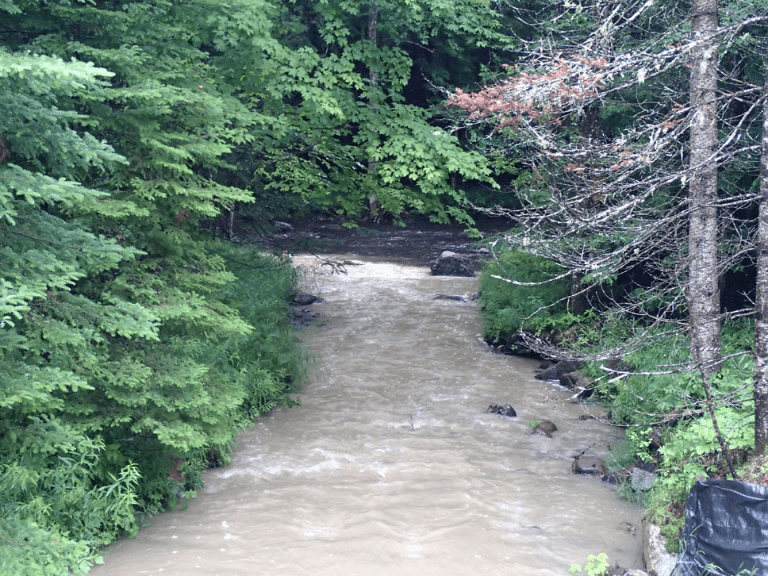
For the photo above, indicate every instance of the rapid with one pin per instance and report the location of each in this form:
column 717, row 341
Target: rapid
column 391, row 464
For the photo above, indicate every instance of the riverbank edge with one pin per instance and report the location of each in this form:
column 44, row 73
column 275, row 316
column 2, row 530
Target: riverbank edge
column 655, row 556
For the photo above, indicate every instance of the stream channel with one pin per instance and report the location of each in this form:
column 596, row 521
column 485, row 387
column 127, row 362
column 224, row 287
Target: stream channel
column 391, row 464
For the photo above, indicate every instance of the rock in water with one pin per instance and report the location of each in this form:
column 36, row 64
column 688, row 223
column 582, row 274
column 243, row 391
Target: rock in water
column 555, row 371
column 502, row 409
column 589, row 465
column 545, row 427
column 282, row 227
column 448, row 297
column 304, row 299
column 451, row 264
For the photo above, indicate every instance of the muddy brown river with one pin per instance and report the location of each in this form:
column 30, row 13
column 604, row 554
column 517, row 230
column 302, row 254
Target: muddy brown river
column 391, row 465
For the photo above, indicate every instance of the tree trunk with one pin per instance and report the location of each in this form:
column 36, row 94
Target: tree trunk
column 761, row 312
column 373, row 26
column 373, row 82
column 703, row 289
column 232, row 221
column 578, row 303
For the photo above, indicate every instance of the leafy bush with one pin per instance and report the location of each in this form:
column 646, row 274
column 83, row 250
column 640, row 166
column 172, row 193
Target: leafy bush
column 660, row 400
column 122, row 442
column 656, row 388
column 267, row 361
column 692, row 445
column 508, row 307
column 31, row 550
column 56, row 506
column 597, row 565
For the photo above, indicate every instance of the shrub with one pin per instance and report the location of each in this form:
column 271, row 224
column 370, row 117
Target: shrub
column 508, row 308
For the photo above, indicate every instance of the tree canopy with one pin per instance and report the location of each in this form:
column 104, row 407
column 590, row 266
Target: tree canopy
column 134, row 344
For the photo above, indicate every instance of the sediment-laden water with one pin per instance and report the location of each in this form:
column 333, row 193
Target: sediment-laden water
column 390, row 465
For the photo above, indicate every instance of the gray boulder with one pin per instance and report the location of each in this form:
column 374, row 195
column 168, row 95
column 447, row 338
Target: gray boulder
column 502, row 409
column 282, row 227
column 451, row 264
column 569, row 380
column 556, row 371
column 641, row 480
column 304, row 299
column 657, row 560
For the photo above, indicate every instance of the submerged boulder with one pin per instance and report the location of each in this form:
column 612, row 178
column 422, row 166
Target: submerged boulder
column 282, row 227
column 556, row 371
column 304, row 299
column 569, row 380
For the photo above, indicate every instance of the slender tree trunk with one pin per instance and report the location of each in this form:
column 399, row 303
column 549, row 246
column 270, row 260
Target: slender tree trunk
column 711, row 409
column 232, row 221
column 761, row 312
column 373, row 82
column 578, row 303
column 703, row 289
column 373, row 26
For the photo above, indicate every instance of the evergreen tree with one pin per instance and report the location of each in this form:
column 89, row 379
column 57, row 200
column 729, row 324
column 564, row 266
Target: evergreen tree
column 133, row 349
column 55, row 503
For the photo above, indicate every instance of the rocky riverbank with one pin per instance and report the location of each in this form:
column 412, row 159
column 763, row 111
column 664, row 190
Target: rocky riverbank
column 418, row 242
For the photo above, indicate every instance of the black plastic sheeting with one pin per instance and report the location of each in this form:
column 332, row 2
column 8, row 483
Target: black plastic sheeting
column 726, row 530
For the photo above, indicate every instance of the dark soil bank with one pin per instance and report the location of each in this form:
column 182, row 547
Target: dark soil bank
column 417, row 243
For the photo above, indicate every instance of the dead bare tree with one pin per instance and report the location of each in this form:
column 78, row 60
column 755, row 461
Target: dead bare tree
column 618, row 202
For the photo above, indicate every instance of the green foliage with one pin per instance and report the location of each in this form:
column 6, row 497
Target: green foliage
column 132, row 349
column 266, row 360
column 57, row 504
column 635, row 396
column 654, row 386
column 29, row 550
column 317, row 128
column 661, row 506
column 508, row 307
column 57, row 507
column 597, row 565
column 671, row 406
column 689, row 450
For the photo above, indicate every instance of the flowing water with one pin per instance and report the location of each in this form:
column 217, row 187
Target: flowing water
column 391, row 465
